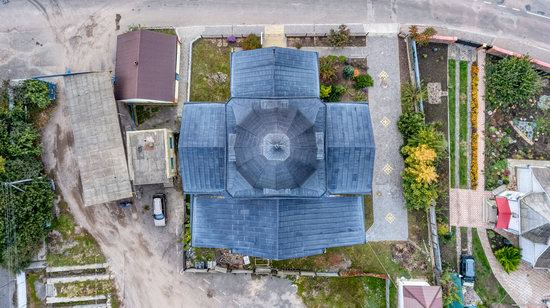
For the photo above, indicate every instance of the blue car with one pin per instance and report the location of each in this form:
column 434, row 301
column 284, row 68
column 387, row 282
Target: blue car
column 468, row 269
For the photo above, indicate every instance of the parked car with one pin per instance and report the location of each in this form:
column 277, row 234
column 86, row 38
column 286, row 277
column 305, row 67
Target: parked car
column 468, row 269
column 159, row 210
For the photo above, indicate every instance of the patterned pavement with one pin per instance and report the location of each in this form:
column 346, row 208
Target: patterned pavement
column 526, row 286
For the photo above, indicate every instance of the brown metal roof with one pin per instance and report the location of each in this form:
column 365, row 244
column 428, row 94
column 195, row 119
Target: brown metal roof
column 422, row 297
column 154, row 75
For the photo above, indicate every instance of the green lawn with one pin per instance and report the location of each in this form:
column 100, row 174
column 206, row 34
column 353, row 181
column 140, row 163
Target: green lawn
column 463, row 125
column 452, row 114
column 345, row 292
column 209, row 72
column 487, row 286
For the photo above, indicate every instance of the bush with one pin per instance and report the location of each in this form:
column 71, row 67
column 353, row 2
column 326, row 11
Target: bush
column 363, row 81
column 327, row 68
column 336, row 93
column 339, row 38
column 511, row 81
column 449, row 289
column 347, row 72
column 431, row 137
column 409, row 124
column 509, row 257
column 36, row 93
column 342, row 59
column 325, row 91
column 252, row 41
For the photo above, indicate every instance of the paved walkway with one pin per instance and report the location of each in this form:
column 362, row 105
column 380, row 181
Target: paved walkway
column 390, row 213
column 526, row 286
column 274, row 36
column 467, row 208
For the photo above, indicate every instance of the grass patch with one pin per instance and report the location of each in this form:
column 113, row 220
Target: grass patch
column 369, row 212
column 209, row 72
column 85, row 288
column 169, row 31
column 144, row 113
column 463, row 125
column 448, row 250
column 345, row 292
column 69, row 248
column 487, row 286
column 463, row 238
column 452, row 117
column 32, row 278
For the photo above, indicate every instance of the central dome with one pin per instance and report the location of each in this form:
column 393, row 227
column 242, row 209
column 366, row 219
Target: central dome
column 275, row 148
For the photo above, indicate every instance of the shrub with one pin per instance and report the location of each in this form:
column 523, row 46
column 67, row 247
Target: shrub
column 298, row 45
column 2, row 164
column 363, row 81
column 336, row 93
column 509, row 257
column 411, row 96
column 325, row 91
column 422, row 38
column 511, row 81
column 347, row 72
column 449, row 289
column 36, row 93
column 431, row 137
column 342, row 59
column 359, row 96
column 252, row 41
column 327, row 69
column 410, row 123
column 339, row 38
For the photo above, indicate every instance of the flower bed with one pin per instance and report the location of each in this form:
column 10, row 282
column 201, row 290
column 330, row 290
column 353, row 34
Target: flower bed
column 344, row 79
column 502, row 141
column 473, row 120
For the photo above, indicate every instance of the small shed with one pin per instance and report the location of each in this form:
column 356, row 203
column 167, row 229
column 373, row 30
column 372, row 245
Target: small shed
column 151, row 156
column 147, row 68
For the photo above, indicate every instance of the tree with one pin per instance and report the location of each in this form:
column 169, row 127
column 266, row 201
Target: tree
column 2, row 165
column 339, row 38
column 509, row 257
column 24, row 141
column 422, row 38
column 512, row 80
column 36, row 93
column 420, row 161
column 252, row 41
column 430, row 136
column 411, row 96
column 31, row 214
column 450, row 290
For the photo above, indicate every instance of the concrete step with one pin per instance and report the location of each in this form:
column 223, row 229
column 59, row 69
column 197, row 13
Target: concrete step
column 60, row 269
column 51, row 291
column 60, row 300
column 78, row 278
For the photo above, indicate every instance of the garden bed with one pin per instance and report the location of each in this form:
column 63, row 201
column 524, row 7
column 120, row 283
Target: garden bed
column 503, row 141
column 487, row 286
column 323, row 41
column 337, row 85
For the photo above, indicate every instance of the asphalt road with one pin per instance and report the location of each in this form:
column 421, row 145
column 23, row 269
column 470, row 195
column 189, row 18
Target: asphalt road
column 67, row 26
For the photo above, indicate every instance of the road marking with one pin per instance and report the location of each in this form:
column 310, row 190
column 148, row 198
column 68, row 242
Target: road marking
column 501, row 5
column 217, row 300
column 224, row 293
column 208, row 282
column 516, row 9
column 202, row 289
column 487, row 2
column 538, row 15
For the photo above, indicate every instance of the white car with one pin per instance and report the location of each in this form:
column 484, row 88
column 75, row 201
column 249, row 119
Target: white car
column 159, row 210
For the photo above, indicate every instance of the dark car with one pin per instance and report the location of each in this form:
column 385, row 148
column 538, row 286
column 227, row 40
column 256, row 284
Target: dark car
column 159, row 210
column 468, row 269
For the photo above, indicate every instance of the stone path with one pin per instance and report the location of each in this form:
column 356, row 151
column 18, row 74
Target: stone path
column 390, row 213
column 466, row 208
column 526, row 286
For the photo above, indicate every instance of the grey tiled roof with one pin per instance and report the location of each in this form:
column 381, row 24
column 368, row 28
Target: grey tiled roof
column 252, row 174
column 202, row 148
column 350, row 148
column 277, row 228
column 535, row 222
column 274, row 72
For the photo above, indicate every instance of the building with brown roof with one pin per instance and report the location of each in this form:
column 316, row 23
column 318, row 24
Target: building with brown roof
column 147, row 67
column 415, row 293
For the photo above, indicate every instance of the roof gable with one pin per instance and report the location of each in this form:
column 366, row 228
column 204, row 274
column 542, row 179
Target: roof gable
column 542, row 175
column 274, row 72
column 277, row 228
column 422, row 297
column 146, row 66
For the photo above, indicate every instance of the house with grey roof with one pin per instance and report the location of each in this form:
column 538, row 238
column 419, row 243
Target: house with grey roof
column 530, row 207
column 275, row 172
